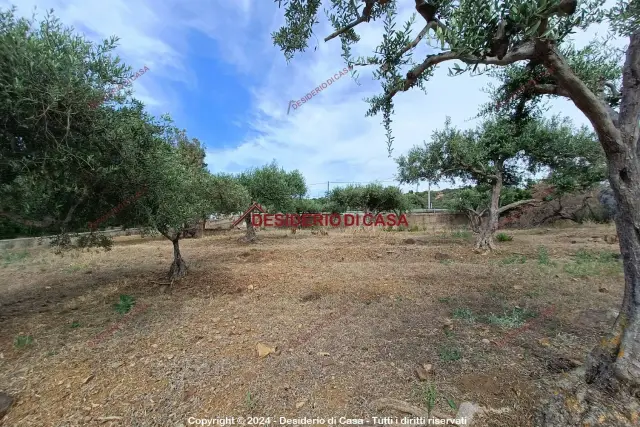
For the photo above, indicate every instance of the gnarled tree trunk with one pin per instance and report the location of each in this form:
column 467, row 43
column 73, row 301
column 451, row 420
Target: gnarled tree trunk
column 616, row 361
column 489, row 223
column 179, row 266
column 618, row 356
column 250, row 236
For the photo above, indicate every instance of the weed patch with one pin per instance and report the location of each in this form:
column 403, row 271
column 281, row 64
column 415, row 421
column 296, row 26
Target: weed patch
column 588, row 263
column 503, row 237
column 430, row 395
column 21, row 341
column 125, row 304
column 543, row 257
column 464, row 314
column 449, row 353
column 461, row 234
column 515, row 259
column 515, row 319
column 250, row 401
column 11, row 257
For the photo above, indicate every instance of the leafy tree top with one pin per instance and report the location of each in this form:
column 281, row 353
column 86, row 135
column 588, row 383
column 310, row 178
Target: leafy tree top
column 503, row 149
column 372, row 198
column 478, row 34
column 273, row 187
column 64, row 163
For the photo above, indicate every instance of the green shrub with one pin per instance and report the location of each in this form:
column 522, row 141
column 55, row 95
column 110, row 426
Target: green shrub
column 588, row 263
column 450, row 353
column 464, row 314
column 515, row 259
column 543, row 255
column 515, row 319
column 125, row 304
column 22, row 341
column 503, row 237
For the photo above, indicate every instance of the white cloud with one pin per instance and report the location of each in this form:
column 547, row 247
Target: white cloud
column 328, row 138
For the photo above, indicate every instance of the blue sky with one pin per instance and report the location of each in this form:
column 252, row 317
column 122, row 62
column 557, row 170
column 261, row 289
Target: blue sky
column 214, row 69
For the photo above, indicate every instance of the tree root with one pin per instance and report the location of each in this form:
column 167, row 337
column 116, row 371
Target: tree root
column 178, row 270
column 248, row 239
column 575, row 403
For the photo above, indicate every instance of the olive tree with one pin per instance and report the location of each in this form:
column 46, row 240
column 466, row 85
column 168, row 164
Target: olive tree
column 60, row 159
column 482, row 34
column 274, row 188
column 178, row 192
column 372, row 198
column 495, row 156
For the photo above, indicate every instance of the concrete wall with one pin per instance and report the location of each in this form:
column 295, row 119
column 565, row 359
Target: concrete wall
column 427, row 221
column 424, row 221
column 30, row 242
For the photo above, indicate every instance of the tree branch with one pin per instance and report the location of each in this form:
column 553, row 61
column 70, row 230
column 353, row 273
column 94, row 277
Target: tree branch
column 45, row 222
column 614, row 93
column 473, row 211
column 549, row 89
column 343, row 30
column 524, row 52
column 565, row 7
column 414, row 43
column 69, row 217
column 365, row 17
column 48, row 221
column 630, row 101
column 613, row 88
column 515, row 205
column 596, row 110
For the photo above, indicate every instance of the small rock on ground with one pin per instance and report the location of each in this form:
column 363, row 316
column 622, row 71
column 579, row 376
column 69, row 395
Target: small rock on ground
column 468, row 410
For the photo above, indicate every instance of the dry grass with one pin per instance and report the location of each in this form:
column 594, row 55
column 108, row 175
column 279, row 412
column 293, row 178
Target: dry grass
column 352, row 316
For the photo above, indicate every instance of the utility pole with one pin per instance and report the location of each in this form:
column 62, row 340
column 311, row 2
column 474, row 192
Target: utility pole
column 327, row 187
column 429, row 195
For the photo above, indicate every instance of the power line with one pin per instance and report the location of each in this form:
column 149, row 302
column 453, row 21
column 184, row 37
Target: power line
column 391, row 179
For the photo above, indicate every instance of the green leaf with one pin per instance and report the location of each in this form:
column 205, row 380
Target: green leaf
column 452, row 404
column 533, row 29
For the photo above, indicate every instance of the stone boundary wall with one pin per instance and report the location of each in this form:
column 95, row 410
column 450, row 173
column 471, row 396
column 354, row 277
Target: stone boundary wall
column 423, row 220
column 30, row 242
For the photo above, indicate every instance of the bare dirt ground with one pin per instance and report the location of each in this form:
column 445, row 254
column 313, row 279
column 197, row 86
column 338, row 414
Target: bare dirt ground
column 352, row 315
